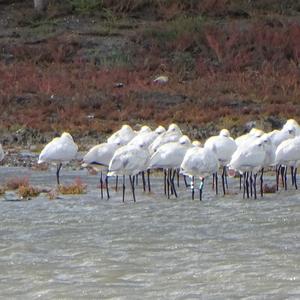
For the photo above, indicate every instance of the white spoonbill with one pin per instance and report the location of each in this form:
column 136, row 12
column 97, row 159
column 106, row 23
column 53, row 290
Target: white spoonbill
column 289, row 130
column 169, row 157
column 173, row 134
column 146, row 138
column 99, row 157
column 129, row 160
column 123, row 135
column 199, row 162
column 224, row 146
column 288, row 154
column 249, row 157
column 254, row 133
column 59, row 150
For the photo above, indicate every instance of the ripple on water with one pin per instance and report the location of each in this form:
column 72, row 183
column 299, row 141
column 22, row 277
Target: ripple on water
column 85, row 247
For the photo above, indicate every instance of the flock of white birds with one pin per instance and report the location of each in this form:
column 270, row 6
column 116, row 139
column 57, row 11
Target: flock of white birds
column 133, row 153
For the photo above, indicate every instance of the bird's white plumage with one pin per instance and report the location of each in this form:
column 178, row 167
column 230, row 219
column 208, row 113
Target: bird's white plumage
column 248, row 157
column 144, row 129
column 288, row 152
column 129, row 160
column 289, row 130
column 60, row 149
column 249, row 137
column 224, row 145
column 146, row 137
column 170, row 155
column 123, row 136
column 173, row 134
column 101, row 154
column 200, row 162
column 269, row 149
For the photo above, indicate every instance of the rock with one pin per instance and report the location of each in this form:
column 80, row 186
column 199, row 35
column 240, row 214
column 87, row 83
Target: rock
column 161, row 79
column 11, row 196
column 119, row 85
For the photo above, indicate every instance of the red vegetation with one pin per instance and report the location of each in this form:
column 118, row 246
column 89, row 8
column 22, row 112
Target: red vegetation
column 223, row 72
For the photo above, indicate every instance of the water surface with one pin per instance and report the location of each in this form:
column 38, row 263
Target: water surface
column 83, row 247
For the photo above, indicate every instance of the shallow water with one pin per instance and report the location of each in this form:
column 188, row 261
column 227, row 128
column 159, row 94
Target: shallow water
column 83, row 247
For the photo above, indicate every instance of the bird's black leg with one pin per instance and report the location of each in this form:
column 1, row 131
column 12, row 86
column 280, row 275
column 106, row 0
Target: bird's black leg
column 117, row 181
column 223, row 179
column 277, row 176
column 201, row 188
column 254, row 186
column 168, row 184
column 144, row 181
column 282, row 170
column 244, row 184
column 247, row 184
column 262, row 182
column 292, row 175
column 251, row 185
column 132, row 178
column 123, row 197
column 295, row 178
column 173, row 182
column 106, row 183
column 177, row 175
column 225, row 173
column 193, row 187
column 216, row 178
column 285, row 177
column 165, row 182
column 57, row 172
column 101, row 185
column 241, row 180
column 185, row 182
column 148, row 178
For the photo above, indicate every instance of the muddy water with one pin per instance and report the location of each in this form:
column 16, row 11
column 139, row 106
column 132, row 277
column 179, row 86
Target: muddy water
column 82, row 247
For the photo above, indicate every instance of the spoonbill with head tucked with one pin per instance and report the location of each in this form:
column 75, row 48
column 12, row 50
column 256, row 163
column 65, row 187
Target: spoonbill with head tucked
column 169, row 157
column 123, row 135
column 224, row 147
column 129, row 160
column 99, row 157
column 199, row 162
column 59, row 150
column 288, row 154
column 146, row 138
column 173, row 134
column 249, row 157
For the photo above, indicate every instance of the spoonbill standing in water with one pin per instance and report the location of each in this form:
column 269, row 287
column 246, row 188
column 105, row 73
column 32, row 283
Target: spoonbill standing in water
column 99, row 158
column 59, row 150
column 146, row 137
column 249, row 157
column 288, row 154
column 169, row 157
column 224, row 146
column 129, row 160
column 199, row 162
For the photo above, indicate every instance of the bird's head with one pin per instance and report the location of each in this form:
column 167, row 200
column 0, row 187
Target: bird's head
column 224, row 132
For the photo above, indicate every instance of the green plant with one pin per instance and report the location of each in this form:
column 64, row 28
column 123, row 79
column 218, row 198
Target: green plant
column 86, row 5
